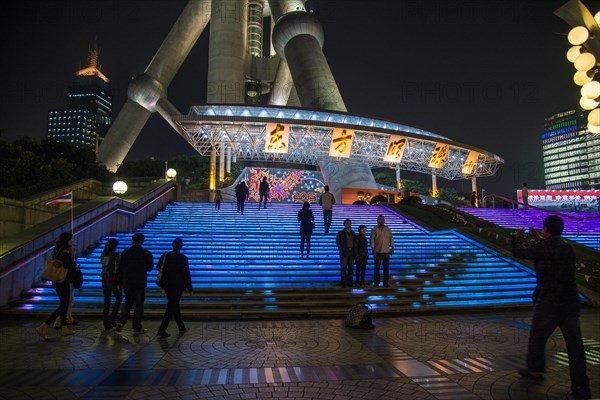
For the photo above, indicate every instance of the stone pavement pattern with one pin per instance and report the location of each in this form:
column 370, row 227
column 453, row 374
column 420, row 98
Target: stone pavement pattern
column 454, row 357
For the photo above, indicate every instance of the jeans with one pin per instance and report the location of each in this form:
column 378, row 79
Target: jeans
column 360, row 273
column 379, row 259
column 546, row 317
column 63, row 290
column 347, row 267
column 240, row 205
column 108, row 291
column 134, row 297
column 327, row 214
column 173, row 310
column 260, row 199
column 303, row 238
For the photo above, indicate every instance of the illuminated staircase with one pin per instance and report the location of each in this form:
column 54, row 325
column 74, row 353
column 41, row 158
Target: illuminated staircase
column 249, row 266
column 581, row 227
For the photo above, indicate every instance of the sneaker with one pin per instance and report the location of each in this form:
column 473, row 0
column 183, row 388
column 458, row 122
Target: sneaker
column 162, row 334
column 119, row 327
column 537, row 376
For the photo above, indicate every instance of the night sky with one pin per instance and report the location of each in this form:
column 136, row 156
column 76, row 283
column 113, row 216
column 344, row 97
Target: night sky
column 481, row 72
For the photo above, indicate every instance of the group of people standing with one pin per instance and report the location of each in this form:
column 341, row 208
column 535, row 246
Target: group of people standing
column 127, row 271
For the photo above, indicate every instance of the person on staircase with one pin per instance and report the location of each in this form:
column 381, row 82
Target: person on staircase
column 306, row 218
column 382, row 245
column 263, row 192
column 241, row 195
column 110, row 283
column 345, row 243
column 361, row 254
column 327, row 200
column 175, row 278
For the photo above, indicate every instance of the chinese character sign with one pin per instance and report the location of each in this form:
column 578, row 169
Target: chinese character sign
column 277, row 138
column 439, row 156
column 341, row 143
column 470, row 162
column 395, row 149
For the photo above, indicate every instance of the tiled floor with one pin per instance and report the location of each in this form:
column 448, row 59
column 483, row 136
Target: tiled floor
column 452, row 357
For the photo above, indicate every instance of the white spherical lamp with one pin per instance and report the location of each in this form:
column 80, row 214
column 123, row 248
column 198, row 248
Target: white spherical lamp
column 119, row 187
column 593, row 128
column 578, row 35
column 581, row 78
column 588, row 104
column 171, row 173
column 591, row 90
column 594, row 117
column 585, row 62
column 573, row 53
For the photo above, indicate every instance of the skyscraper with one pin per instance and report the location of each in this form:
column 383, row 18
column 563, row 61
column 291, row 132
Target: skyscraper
column 88, row 114
column 571, row 153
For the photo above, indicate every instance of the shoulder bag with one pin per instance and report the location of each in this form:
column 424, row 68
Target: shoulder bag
column 54, row 271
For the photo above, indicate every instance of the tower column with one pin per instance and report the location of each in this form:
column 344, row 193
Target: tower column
column 434, row 189
column 474, row 184
column 398, row 179
column 228, row 163
column 212, row 181
column 222, row 163
column 227, row 51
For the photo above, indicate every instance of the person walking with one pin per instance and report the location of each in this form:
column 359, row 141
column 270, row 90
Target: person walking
column 306, row 218
column 110, row 283
column 218, row 200
column 556, row 303
column 345, row 243
column 175, row 278
column 382, row 245
column 135, row 263
column 361, row 254
column 241, row 195
column 64, row 252
column 474, row 199
column 525, row 195
column 327, row 200
column 263, row 192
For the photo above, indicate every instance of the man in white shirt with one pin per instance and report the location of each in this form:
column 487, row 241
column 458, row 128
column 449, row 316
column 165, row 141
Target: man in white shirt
column 327, row 200
column 382, row 244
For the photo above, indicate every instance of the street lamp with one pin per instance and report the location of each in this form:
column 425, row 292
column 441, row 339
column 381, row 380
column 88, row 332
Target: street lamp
column 171, row 173
column 585, row 55
column 119, row 187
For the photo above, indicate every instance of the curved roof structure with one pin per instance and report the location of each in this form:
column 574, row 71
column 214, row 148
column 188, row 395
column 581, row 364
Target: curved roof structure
column 243, row 128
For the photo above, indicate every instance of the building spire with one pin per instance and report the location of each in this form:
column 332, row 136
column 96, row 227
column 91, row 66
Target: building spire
column 93, row 61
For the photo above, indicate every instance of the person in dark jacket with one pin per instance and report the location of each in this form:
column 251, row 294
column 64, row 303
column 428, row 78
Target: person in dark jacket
column 134, row 266
column 110, row 282
column 64, row 252
column 241, row 195
column 361, row 254
column 174, row 280
column 306, row 219
column 345, row 243
column 556, row 303
column 263, row 192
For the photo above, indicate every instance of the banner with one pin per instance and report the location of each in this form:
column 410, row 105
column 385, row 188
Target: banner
column 395, row 150
column 470, row 162
column 341, row 142
column 66, row 198
column 277, row 138
column 567, row 200
column 439, row 156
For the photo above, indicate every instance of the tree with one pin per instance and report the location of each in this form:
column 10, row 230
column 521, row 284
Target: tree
column 414, row 186
column 450, row 195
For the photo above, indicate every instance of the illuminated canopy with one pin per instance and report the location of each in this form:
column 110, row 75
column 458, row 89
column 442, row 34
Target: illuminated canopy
column 243, row 129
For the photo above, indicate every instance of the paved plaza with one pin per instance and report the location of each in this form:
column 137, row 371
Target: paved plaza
column 471, row 356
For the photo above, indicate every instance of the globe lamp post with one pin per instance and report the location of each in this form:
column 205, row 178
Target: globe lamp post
column 119, row 187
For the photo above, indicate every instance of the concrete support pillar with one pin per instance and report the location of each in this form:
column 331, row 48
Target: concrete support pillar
column 228, row 164
column 227, row 51
column 398, row 179
column 222, row 163
column 434, row 188
column 212, row 180
column 474, row 184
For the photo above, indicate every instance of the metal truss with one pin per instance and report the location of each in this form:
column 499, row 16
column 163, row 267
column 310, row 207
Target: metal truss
column 219, row 127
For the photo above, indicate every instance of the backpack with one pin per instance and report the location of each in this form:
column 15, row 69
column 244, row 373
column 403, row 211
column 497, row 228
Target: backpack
column 360, row 316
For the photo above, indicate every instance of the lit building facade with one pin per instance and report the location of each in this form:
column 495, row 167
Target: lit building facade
column 571, row 153
column 88, row 114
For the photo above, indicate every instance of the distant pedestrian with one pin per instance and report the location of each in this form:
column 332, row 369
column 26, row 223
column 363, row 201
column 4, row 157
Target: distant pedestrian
column 474, row 199
column 241, row 195
column 263, row 192
column 307, row 224
column 361, row 254
column 64, row 252
column 556, row 304
column 525, row 195
column 382, row 245
column 174, row 280
column 345, row 243
column 327, row 200
column 218, row 200
column 135, row 263
column 110, row 283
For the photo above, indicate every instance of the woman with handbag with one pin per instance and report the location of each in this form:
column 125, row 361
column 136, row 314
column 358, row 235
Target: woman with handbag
column 110, row 284
column 173, row 277
column 307, row 224
column 63, row 252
